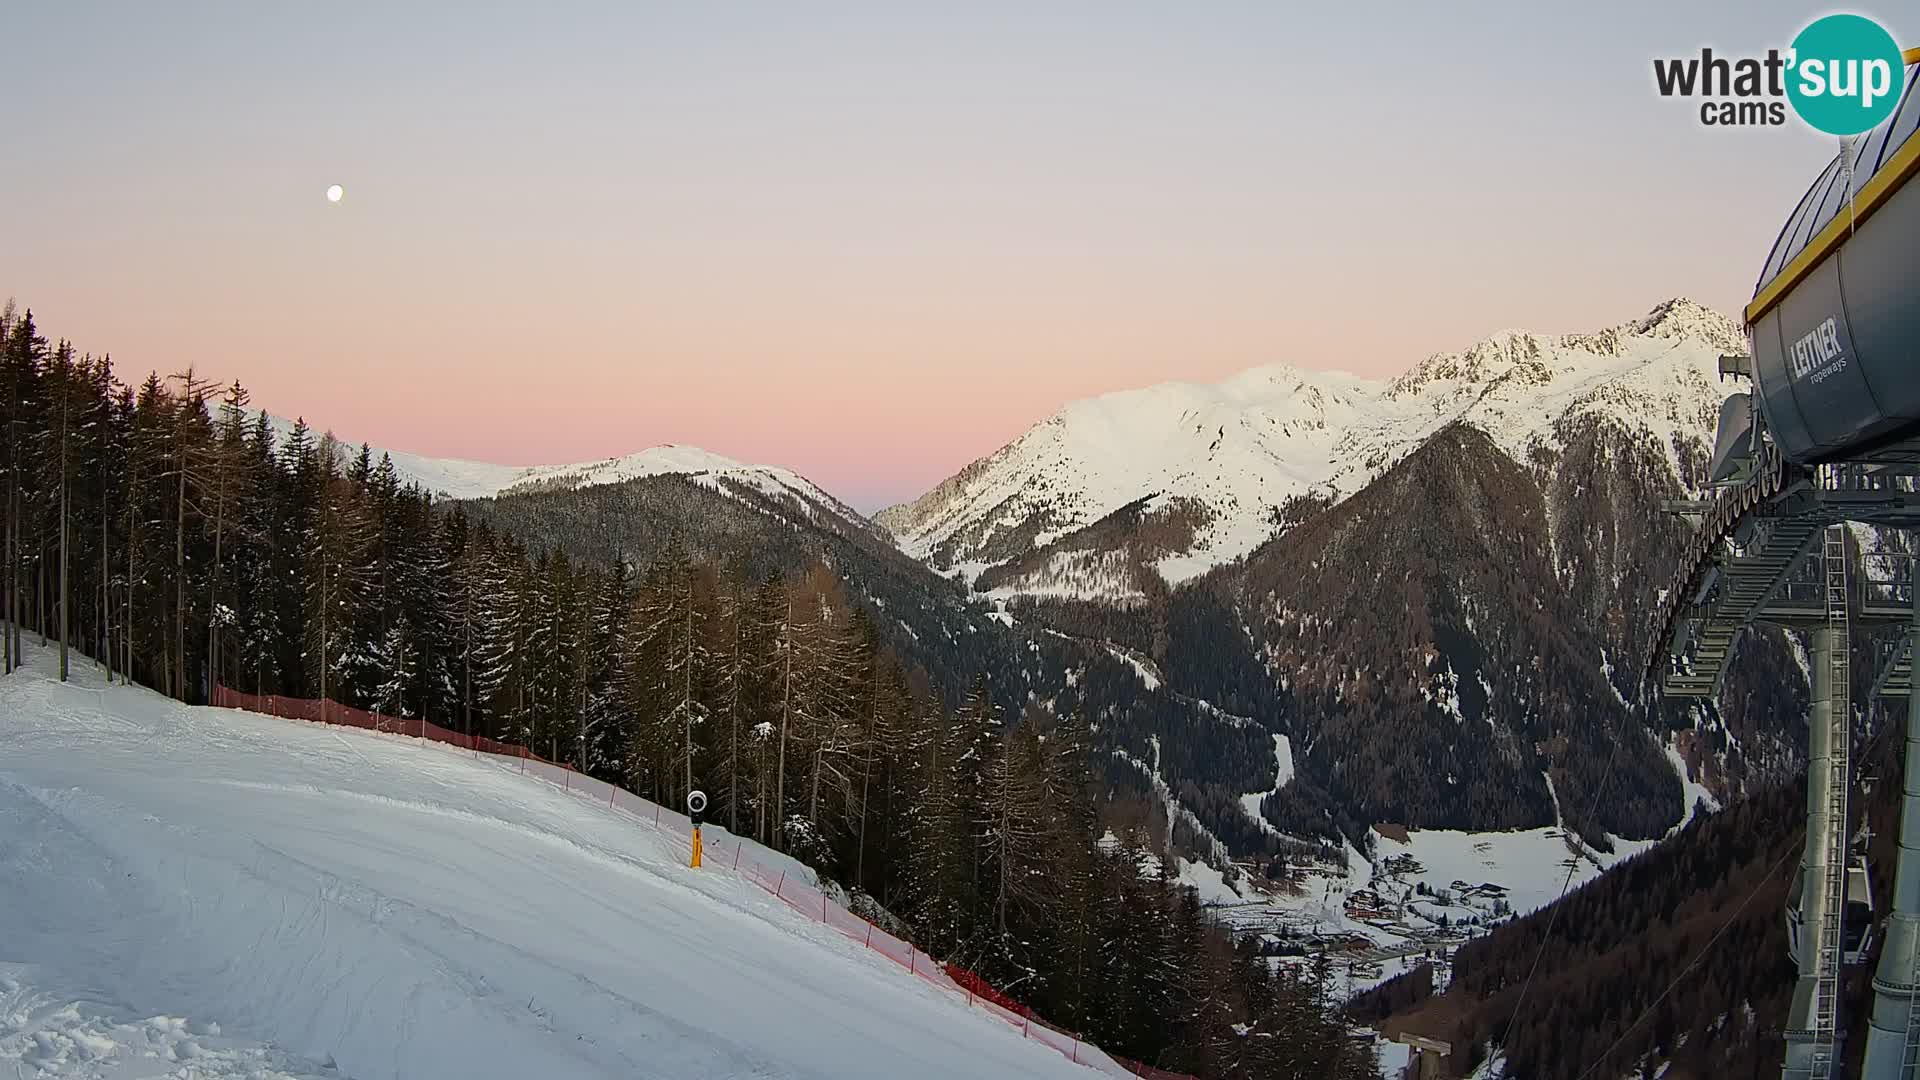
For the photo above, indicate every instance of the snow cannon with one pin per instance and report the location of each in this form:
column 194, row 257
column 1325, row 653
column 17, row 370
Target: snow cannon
column 696, row 806
column 1834, row 322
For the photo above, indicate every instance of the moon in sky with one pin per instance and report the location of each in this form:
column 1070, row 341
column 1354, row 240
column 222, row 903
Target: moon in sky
column 334, row 193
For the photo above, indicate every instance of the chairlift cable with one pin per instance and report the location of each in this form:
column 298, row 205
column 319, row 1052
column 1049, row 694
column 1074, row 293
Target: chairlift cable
column 1866, row 754
column 1792, row 849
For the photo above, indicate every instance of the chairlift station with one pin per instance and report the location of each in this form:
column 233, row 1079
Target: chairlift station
column 1828, row 434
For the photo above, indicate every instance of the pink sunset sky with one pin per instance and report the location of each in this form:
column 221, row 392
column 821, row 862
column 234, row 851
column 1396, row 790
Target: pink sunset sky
column 867, row 242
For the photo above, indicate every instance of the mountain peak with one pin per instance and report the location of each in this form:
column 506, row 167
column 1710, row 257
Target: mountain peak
column 669, row 457
column 1683, row 319
column 1506, row 354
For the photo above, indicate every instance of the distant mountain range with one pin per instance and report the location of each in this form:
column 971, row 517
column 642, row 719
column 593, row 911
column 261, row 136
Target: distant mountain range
column 1117, row 495
column 1179, row 478
column 453, row 478
column 1434, row 586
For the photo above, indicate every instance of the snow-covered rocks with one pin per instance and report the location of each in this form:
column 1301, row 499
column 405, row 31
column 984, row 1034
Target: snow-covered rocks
column 53, row 1037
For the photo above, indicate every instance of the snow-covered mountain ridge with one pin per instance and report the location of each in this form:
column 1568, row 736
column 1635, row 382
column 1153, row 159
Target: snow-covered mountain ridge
column 1233, row 453
column 453, row 478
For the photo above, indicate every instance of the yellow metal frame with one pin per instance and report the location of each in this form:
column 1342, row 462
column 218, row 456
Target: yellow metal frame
column 1891, row 178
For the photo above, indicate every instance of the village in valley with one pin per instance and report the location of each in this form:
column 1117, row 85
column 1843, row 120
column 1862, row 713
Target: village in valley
column 1423, row 894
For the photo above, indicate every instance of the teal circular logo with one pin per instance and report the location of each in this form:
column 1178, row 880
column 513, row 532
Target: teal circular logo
column 1845, row 74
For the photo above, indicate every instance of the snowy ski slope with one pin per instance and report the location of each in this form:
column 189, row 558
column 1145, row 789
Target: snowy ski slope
column 205, row 889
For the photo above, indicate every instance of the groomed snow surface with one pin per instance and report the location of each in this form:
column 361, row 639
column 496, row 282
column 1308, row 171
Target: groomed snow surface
column 205, row 893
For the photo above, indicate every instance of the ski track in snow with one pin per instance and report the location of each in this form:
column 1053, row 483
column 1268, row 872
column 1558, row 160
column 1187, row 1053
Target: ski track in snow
column 1694, row 792
column 1283, row 775
column 392, row 909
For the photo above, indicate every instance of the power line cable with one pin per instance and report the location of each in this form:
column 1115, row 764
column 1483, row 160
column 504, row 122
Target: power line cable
column 1573, row 865
column 1691, row 964
column 1859, row 766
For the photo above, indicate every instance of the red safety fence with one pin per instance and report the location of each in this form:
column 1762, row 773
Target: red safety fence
column 721, row 851
column 979, row 987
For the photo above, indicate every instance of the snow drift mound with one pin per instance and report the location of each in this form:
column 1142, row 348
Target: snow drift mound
column 388, row 908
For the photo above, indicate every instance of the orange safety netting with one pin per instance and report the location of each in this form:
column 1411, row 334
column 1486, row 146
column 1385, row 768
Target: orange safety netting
column 727, row 854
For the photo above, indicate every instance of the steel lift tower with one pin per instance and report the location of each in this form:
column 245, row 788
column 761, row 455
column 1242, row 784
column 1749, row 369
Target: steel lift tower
column 1830, row 434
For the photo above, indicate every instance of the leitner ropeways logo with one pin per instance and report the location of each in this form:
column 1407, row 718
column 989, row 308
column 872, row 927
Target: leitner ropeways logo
column 1842, row 75
column 1819, row 353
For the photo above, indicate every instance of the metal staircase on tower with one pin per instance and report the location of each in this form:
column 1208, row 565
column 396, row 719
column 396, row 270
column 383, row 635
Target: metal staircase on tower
column 1826, row 1001
column 1895, row 673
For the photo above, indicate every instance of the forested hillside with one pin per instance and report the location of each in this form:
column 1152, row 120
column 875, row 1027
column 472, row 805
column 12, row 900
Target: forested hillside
column 158, row 531
column 1043, row 660
column 1624, row 938
column 744, row 533
column 1437, row 672
column 1674, row 962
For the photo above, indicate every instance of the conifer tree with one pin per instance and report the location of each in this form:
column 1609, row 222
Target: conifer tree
column 1014, row 835
column 673, row 620
column 146, row 636
column 20, row 368
column 226, row 466
column 461, row 553
column 555, row 649
column 777, row 612
column 940, row 876
column 339, row 578
column 186, row 447
column 61, row 377
column 1073, row 865
column 397, row 659
column 105, row 468
column 298, row 491
column 608, row 653
column 882, row 719
column 502, row 660
column 979, row 726
column 739, row 700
